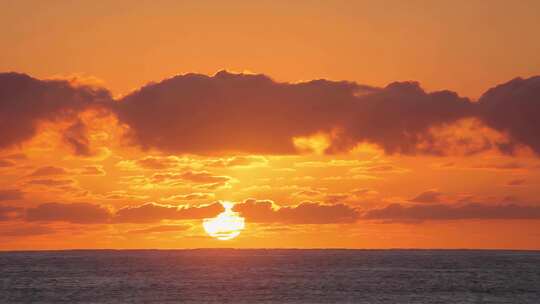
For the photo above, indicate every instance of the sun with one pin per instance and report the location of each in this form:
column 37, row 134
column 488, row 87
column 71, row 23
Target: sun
column 226, row 225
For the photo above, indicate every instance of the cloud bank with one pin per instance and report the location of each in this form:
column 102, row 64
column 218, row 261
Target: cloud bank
column 438, row 212
column 228, row 112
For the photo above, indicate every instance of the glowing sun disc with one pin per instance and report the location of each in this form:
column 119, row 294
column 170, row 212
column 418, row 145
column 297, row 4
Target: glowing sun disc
column 226, row 225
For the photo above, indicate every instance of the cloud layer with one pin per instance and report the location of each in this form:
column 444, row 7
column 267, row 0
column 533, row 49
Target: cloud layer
column 256, row 211
column 227, row 112
column 438, row 212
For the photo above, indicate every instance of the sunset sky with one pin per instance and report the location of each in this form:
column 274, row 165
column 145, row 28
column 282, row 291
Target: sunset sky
column 329, row 124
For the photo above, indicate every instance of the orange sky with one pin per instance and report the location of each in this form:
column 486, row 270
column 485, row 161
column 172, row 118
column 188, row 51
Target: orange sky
column 89, row 158
column 464, row 46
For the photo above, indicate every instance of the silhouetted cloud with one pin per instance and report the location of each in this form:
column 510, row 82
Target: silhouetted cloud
column 6, row 163
column 514, row 108
column 11, row 159
column 199, row 179
column 252, row 113
column 25, row 101
column 11, row 194
column 24, row 230
column 256, row 211
column 152, row 212
column 190, row 196
column 159, row 163
column 49, row 170
column 434, row 212
column 203, row 177
column 239, row 161
column 10, row 213
column 51, row 182
column 265, row 211
column 430, row 196
column 227, row 112
column 517, row 182
column 76, row 136
column 79, row 213
column 92, row 170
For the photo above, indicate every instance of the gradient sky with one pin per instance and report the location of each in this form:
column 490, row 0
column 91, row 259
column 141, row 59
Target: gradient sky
column 358, row 124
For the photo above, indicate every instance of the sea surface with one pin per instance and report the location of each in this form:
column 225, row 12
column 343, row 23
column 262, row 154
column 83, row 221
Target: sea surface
column 270, row 276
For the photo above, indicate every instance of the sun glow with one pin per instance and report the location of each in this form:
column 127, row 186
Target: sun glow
column 226, row 225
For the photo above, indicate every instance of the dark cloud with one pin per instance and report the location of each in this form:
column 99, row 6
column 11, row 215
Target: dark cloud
column 201, row 179
column 49, row 170
column 514, row 108
column 22, row 231
column 239, row 161
column 76, row 136
column 6, row 163
column 190, row 196
column 158, row 163
column 252, row 113
column 517, row 182
column 255, row 211
column 265, row 211
column 11, row 194
column 430, row 196
column 26, row 101
column 92, row 170
column 51, row 182
column 15, row 156
column 10, row 213
column 11, row 159
column 500, row 166
column 78, row 213
column 437, row 212
column 309, row 193
column 152, row 212
column 228, row 112
column 336, row 197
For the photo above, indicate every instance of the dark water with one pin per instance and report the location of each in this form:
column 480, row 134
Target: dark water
column 270, row 276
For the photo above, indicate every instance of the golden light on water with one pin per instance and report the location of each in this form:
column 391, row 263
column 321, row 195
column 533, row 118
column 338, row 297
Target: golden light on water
column 226, row 225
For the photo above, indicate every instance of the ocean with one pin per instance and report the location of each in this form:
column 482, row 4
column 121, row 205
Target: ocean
column 270, row 276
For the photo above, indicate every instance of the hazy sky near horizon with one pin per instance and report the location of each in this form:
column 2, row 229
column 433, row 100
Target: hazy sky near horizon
column 359, row 124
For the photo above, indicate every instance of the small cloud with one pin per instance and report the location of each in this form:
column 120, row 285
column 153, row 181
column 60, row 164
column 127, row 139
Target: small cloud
column 266, row 211
column 430, row 196
column 441, row 212
column 24, row 231
column 517, row 182
column 160, row 229
column 159, row 163
column 239, row 161
column 154, row 163
column 6, row 163
column 123, row 195
column 11, row 194
column 189, row 196
column 77, row 213
column 380, row 169
column 153, row 212
column 51, row 182
column 361, row 192
column 308, row 193
column 331, row 163
column 15, row 156
column 49, row 170
column 92, row 170
column 513, row 165
column 10, row 213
